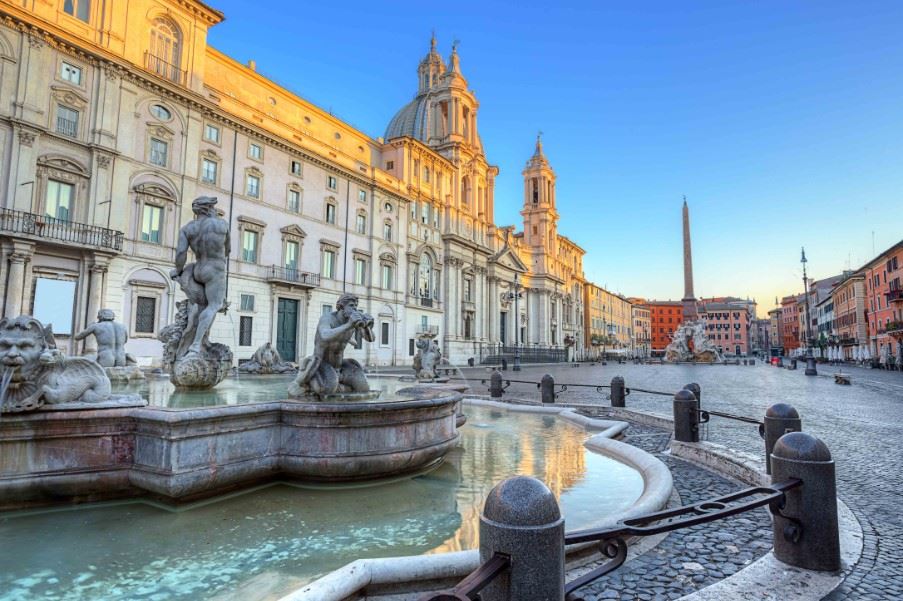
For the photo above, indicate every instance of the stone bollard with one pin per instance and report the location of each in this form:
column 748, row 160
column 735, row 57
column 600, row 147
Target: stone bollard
column 810, row 365
column 547, row 389
column 780, row 361
column 696, row 390
column 504, row 364
column 495, row 385
column 780, row 419
column 618, row 392
column 686, row 416
column 521, row 519
column 806, row 533
column 752, row 361
column 793, row 364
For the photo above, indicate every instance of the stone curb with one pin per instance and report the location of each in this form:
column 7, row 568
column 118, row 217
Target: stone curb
column 439, row 570
column 767, row 578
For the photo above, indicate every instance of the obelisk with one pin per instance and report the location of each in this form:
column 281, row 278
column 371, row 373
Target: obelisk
column 689, row 299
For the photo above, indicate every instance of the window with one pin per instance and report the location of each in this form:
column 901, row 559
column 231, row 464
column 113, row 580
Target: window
column 331, row 182
column 245, row 327
column 468, row 287
column 152, row 224
column 384, row 333
column 291, row 255
column 327, row 269
column 71, row 73
column 160, row 112
column 164, row 54
column 425, row 213
column 295, row 168
column 425, row 277
column 58, row 203
column 208, row 171
column 360, row 271
column 294, row 201
column 80, row 9
column 249, row 239
column 361, row 223
column 362, row 195
column 410, row 347
column 253, row 187
column 387, row 277
column 330, row 213
column 426, row 174
column 325, row 309
column 211, row 133
column 159, row 151
column 247, row 302
column 390, row 165
column 387, row 231
column 66, row 121
column 255, row 151
column 145, row 315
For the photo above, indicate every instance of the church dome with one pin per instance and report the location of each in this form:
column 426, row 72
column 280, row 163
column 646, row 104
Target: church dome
column 410, row 121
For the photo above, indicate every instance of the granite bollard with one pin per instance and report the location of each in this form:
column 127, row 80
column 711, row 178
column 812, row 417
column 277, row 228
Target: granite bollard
column 686, row 416
column 618, row 392
column 780, row 419
column 806, row 533
column 521, row 519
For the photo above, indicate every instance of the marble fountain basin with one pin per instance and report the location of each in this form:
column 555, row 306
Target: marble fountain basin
column 187, row 453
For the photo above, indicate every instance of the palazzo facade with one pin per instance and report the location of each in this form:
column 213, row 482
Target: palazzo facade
column 113, row 120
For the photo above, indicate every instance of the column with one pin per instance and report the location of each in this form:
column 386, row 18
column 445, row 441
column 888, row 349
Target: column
column 16, row 284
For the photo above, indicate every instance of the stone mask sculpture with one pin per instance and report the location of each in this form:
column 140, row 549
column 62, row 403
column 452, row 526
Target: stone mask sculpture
column 193, row 361
column 36, row 373
column 326, row 372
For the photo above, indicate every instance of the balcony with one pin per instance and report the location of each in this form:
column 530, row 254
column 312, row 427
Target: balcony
column 166, row 70
column 895, row 296
column 292, row 277
column 51, row 229
column 423, row 330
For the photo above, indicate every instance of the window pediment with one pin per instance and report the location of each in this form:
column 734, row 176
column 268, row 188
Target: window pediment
column 61, row 163
column 69, row 96
column 327, row 244
column 293, row 231
column 254, row 171
column 244, row 219
column 155, row 190
column 160, row 131
column 210, row 154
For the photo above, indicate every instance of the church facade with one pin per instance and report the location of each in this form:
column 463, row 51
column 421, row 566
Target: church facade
column 108, row 136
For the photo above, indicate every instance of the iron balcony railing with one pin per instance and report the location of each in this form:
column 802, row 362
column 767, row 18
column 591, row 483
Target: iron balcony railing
column 50, row 228
column 67, row 127
column 434, row 330
column 293, row 276
column 895, row 296
column 164, row 69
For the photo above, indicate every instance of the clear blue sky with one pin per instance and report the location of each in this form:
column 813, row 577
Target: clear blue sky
column 781, row 122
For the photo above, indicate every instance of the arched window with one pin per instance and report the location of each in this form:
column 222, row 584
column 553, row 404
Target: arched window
column 164, row 54
column 425, row 277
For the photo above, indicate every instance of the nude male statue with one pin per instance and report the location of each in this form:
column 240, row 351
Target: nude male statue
column 204, row 281
column 111, row 338
column 327, row 371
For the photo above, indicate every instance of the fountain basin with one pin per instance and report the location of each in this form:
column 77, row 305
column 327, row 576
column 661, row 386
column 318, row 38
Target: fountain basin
column 183, row 455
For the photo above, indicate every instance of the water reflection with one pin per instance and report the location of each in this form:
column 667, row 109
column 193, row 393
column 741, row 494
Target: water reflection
column 262, row 544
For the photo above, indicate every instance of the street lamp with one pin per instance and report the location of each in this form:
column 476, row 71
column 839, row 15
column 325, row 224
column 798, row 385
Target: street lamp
column 515, row 296
column 810, row 359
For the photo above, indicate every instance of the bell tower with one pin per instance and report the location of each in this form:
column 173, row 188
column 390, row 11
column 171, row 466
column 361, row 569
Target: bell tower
column 540, row 215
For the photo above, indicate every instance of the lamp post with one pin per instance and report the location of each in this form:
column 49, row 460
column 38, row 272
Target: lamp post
column 516, row 324
column 810, row 359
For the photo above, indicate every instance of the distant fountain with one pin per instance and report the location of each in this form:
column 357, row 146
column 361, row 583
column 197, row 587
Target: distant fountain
column 702, row 349
column 426, row 361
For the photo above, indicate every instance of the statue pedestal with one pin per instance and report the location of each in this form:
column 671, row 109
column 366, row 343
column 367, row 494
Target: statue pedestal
column 124, row 374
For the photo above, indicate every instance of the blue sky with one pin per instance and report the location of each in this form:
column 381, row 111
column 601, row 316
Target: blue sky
column 780, row 121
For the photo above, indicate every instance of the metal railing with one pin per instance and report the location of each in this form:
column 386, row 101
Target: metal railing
column 164, row 69
column 66, row 126
column 50, row 228
column 293, row 276
column 493, row 354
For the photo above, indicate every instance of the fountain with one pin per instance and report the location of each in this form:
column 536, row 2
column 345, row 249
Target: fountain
column 426, row 361
column 111, row 337
column 702, row 350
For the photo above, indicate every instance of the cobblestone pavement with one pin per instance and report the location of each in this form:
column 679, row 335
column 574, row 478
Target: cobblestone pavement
column 690, row 559
column 862, row 424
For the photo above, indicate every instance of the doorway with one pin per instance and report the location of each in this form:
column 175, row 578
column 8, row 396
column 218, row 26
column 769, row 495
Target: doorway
column 287, row 329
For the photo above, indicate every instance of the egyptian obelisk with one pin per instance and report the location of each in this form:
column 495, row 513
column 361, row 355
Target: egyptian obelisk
column 689, row 299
